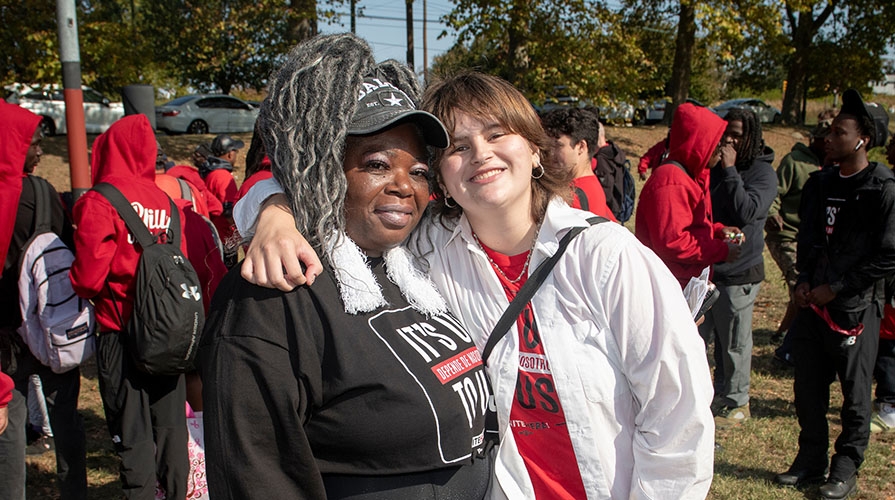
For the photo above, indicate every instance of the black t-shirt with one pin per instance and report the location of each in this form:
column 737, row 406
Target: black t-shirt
column 836, row 198
column 295, row 389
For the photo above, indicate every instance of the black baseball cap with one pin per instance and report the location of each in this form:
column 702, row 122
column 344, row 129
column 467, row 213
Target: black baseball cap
column 852, row 104
column 223, row 144
column 381, row 105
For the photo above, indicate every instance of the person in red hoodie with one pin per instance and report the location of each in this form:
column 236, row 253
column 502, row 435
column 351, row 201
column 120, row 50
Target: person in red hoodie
column 191, row 175
column 6, row 386
column 653, row 157
column 674, row 213
column 144, row 413
column 20, row 139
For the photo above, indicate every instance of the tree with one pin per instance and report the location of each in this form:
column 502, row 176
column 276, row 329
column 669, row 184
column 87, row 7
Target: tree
column 223, row 43
column 815, row 46
column 27, row 38
column 679, row 86
column 537, row 46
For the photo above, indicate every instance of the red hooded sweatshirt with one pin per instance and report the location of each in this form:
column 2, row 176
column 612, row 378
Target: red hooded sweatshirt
column 192, row 176
column 171, row 186
column 674, row 211
column 201, row 247
column 17, row 126
column 106, row 256
column 6, row 386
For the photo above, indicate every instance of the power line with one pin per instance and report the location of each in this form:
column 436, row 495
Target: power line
column 388, row 18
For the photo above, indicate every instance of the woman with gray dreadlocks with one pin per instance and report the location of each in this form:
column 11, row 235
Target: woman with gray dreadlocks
column 363, row 386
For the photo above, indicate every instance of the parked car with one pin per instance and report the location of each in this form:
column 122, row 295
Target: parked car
column 48, row 102
column 206, row 114
column 655, row 112
column 765, row 112
column 650, row 112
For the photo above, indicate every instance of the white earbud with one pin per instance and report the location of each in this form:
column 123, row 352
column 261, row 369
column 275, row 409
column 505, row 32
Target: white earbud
column 859, row 144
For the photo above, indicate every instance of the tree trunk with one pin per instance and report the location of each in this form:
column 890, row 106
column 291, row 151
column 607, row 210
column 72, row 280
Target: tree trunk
column 517, row 49
column 802, row 35
column 306, row 25
column 679, row 86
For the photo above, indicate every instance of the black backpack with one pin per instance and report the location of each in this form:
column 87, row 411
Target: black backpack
column 163, row 332
column 629, row 194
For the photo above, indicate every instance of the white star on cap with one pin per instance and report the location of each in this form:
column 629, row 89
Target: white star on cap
column 393, row 100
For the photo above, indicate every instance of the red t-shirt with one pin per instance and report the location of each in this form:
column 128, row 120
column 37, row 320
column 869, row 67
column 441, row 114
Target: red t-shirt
column 6, row 387
column 536, row 417
column 589, row 196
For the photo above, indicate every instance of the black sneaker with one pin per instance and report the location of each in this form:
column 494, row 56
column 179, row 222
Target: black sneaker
column 40, row 446
column 835, row 489
column 799, row 477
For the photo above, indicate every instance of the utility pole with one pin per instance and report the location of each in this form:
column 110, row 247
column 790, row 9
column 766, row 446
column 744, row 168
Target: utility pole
column 69, row 54
column 410, row 33
column 425, row 48
column 353, row 21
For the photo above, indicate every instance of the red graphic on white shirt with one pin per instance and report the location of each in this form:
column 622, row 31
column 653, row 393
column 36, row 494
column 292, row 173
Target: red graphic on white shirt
column 536, row 417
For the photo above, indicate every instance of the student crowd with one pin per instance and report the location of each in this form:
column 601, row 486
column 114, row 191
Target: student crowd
column 438, row 300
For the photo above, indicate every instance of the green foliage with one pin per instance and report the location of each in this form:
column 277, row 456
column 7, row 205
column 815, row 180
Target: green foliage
column 219, row 43
column 206, row 44
column 594, row 52
column 27, row 40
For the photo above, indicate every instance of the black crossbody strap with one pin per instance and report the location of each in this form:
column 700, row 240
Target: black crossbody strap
column 528, row 290
column 132, row 220
column 42, row 218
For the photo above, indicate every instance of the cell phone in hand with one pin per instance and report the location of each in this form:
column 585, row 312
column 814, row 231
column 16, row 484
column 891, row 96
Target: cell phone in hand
column 710, row 298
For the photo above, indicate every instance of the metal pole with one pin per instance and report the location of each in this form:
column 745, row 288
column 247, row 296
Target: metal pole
column 353, row 22
column 425, row 49
column 67, row 23
column 410, row 33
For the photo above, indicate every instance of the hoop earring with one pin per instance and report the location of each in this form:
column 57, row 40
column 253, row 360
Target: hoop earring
column 533, row 176
column 448, row 205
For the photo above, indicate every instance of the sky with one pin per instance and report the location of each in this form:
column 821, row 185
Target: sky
column 385, row 28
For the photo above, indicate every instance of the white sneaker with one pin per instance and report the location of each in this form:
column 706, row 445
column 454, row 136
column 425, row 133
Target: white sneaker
column 884, row 419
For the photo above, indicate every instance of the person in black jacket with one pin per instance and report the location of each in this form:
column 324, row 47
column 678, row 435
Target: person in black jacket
column 609, row 163
column 742, row 190
column 846, row 247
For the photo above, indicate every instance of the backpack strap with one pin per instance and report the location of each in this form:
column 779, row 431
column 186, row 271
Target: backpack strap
column 185, row 191
column 133, row 222
column 582, row 199
column 530, row 287
column 42, row 221
column 678, row 165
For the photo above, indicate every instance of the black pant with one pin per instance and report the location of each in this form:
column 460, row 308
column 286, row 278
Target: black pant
column 884, row 372
column 61, row 392
column 146, row 417
column 820, row 355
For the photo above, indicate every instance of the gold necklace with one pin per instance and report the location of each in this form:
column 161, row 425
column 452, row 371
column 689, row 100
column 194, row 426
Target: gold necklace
column 527, row 259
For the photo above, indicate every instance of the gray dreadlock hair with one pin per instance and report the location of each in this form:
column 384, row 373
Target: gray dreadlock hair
column 305, row 119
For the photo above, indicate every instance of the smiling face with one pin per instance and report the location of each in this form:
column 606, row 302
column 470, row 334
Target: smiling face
column 487, row 167
column 388, row 187
column 32, row 158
